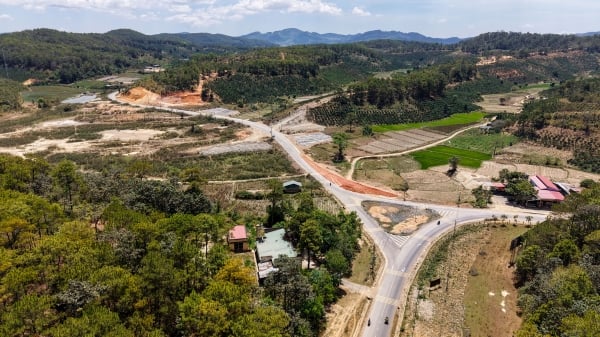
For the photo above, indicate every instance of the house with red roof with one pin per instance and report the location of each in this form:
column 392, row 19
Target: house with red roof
column 237, row 239
column 547, row 191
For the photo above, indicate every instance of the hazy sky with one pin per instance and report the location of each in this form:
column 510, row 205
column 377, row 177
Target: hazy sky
column 436, row 18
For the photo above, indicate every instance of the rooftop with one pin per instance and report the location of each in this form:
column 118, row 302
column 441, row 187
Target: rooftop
column 272, row 245
column 537, row 182
column 549, row 184
column 547, row 195
column 238, row 233
column 291, row 182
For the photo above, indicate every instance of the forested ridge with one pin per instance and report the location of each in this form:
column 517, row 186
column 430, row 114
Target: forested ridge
column 63, row 57
column 97, row 254
column 558, row 271
column 264, row 74
column 529, row 42
column 420, row 95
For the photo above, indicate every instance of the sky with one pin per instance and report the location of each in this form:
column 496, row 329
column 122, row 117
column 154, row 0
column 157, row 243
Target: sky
column 435, row 18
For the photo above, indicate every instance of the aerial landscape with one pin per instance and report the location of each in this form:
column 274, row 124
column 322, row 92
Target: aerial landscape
column 299, row 168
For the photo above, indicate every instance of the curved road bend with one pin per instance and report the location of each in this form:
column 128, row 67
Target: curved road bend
column 400, row 259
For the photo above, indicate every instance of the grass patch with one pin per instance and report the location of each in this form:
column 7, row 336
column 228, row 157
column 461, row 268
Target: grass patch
column 455, row 119
column 52, row 93
column 439, row 155
column 474, row 140
column 361, row 265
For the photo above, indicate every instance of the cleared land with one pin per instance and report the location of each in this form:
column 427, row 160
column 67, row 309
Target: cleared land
column 513, row 101
column 476, row 296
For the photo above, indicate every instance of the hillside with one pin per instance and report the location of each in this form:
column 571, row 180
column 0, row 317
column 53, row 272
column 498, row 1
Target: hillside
column 67, row 57
column 568, row 118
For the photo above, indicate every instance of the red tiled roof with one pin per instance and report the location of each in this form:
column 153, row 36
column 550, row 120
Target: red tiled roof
column 238, row 232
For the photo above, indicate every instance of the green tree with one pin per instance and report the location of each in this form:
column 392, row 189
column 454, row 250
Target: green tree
column 68, row 180
column 95, row 321
column 566, row 250
column 522, row 191
column 310, row 238
column 121, row 290
column 453, row 162
column 275, row 211
column 340, row 139
column 30, row 315
column 587, row 325
column 263, row 321
column 528, row 262
column 337, row 264
column 199, row 316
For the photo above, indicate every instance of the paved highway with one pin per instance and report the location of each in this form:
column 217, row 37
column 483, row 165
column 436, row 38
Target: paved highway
column 401, row 254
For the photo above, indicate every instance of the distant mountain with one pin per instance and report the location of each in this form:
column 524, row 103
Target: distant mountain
column 206, row 40
column 588, row 34
column 293, row 36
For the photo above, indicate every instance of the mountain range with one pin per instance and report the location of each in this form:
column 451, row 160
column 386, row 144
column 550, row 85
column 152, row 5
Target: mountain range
column 293, row 36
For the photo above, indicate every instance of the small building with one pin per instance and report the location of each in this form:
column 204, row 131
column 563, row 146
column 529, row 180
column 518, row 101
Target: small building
column 547, row 191
column 268, row 248
column 155, row 68
column 567, row 189
column 495, row 186
column 238, row 239
column 292, row 186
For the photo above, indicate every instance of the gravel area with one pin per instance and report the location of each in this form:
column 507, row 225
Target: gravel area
column 239, row 147
column 310, row 139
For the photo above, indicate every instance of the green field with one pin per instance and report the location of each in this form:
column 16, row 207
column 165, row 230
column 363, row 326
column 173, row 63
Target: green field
column 439, row 155
column 475, row 140
column 52, row 93
column 456, row 119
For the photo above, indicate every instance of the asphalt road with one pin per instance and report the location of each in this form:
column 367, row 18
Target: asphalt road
column 400, row 260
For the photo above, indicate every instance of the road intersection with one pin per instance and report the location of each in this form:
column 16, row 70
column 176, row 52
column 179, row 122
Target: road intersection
column 402, row 255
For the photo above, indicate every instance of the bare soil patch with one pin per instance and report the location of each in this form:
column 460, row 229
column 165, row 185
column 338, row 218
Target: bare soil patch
column 511, row 102
column 527, row 152
column 396, row 219
column 345, row 316
column 140, row 95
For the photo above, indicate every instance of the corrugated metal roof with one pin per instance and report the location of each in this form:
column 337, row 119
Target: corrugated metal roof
column 548, row 183
column 291, row 182
column 547, row 195
column 274, row 245
column 537, row 182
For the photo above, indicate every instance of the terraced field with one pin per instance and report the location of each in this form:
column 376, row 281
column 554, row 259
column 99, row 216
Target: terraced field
column 398, row 141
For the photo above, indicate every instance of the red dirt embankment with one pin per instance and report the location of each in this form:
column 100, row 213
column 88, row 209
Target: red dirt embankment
column 140, row 95
column 348, row 184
